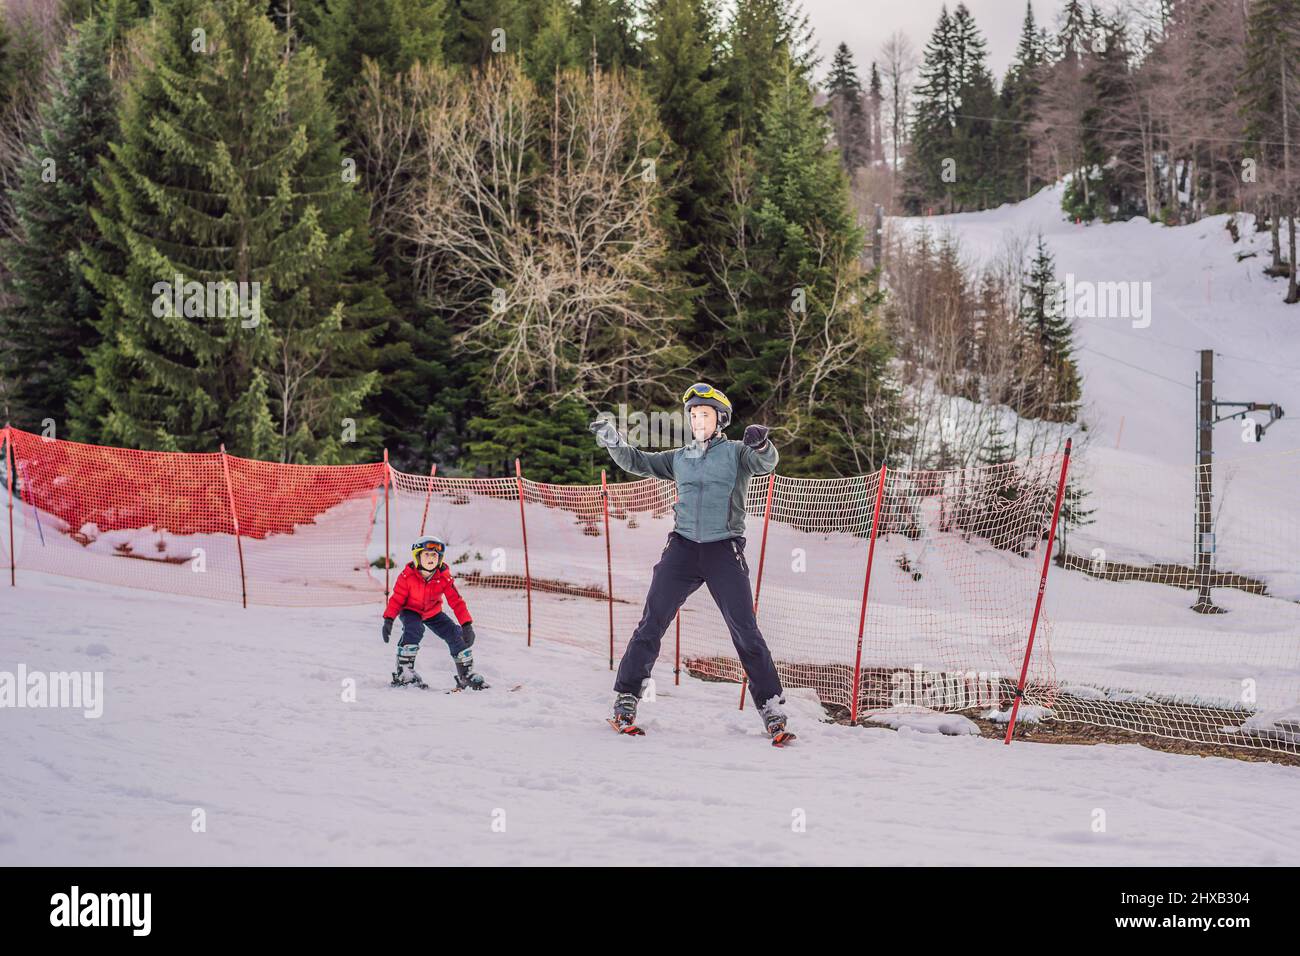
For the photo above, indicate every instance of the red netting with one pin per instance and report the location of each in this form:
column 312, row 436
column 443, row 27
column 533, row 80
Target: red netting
column 955, row 575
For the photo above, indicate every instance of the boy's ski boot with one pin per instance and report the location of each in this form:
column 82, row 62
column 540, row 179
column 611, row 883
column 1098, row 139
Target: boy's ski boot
column 466, row 679
column 774, row 720
column 624, row 716
column 405, row 673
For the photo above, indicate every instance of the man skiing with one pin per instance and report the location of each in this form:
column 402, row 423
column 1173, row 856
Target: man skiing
column 706, row 546
column 417, row 599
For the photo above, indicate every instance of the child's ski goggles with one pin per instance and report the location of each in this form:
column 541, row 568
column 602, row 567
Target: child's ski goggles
column 436, row 545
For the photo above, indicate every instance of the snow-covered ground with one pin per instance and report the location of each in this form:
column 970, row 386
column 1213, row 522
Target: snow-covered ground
column 1139, row 381
column 241, row 715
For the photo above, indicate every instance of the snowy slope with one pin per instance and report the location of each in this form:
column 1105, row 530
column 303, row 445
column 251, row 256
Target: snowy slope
column 1201, row 297
column 240, row 713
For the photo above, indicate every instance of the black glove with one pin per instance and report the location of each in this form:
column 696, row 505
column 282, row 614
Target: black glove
column 388, row 628
column 467, row 632
column 756, row 437
column 606, row 434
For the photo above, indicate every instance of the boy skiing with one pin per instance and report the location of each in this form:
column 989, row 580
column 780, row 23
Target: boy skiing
column 706, row 546
column 417, row 599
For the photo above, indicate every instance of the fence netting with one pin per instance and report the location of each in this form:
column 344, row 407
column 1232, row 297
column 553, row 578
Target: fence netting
column 942, row 622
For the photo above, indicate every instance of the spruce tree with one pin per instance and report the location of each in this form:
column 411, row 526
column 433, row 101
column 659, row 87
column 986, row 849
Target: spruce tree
column 848, row 111
column 934, row 119
column 763, row 39
column 607, row 28
column 393, row 33
column 228, row 175
column 50, row 319
column 1270, row 89
column 479, row 29
column 876, row 106
column 681, row 76
column 802, row 288
column 1020, row 94
column 1052, row 379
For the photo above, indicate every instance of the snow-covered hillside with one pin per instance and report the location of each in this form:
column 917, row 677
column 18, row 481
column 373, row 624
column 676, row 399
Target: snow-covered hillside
column 1139, row 381
column 241, row 714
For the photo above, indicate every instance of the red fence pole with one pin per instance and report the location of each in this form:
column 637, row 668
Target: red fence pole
column 9, row 468
column 234, row 517
column 758, row 585
column 866, row 587
column 388, row 562
column 528, row 576
column 427, row 495
column 609, row 564
column 1042, row 586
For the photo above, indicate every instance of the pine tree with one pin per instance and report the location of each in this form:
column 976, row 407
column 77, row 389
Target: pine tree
column 876, row 107
column 1052, row 382
column 763, row 39
column 1074, row 38
column 848, row 112
column 681, row 77
column 958, row 137
column 1020, row 92
column 478, row 29
column 934, row 120
column 803, row 288
column 1271, row 107
column 607, row 28
column 550, row 439
column 228, row 175
column 554, row 47
column 50, row 321
column 393, row 33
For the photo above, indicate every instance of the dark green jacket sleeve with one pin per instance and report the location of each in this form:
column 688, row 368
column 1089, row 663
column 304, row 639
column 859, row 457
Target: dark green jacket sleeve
column 759, row 462
column 657, row 464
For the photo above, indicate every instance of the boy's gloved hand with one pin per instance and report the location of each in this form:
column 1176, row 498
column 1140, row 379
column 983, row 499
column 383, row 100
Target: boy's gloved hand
column 388, row 628
column 756, row 437
column 606, row 434
column 467, row 633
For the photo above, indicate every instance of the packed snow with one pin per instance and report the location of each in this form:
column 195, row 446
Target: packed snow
column 242, row 717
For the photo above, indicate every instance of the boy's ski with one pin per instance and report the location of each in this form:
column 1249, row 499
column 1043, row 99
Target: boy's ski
column 781, row 738
column 632, row 730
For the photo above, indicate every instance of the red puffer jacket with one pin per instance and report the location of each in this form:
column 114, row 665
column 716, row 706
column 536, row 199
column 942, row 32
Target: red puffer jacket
column 412, row 592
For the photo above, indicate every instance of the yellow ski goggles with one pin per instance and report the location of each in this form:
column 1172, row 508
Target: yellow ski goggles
column 705, row 390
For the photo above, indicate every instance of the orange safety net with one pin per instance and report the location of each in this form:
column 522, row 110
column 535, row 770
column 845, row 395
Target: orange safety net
column 942, row 622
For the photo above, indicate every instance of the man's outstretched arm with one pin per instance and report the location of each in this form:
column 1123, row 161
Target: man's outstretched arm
column 658, row 464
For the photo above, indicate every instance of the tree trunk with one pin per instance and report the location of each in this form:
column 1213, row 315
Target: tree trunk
column 1275, row 228
column 1292, row 293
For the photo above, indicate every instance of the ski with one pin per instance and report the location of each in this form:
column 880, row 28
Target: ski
column 632, row 730
column 781, row 738
column 457, row 690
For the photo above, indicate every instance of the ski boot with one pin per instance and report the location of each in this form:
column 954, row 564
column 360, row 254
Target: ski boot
column 466, row 679
column 624, row 717
column 774, row 721
column 405, row 673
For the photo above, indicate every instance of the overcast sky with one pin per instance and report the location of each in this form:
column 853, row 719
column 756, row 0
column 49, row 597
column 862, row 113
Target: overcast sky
column 865, row 24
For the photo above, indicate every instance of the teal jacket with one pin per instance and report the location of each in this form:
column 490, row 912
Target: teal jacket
column 711, row 482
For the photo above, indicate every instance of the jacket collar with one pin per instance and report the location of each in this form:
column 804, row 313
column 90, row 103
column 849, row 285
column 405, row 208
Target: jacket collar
column 694, row 449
